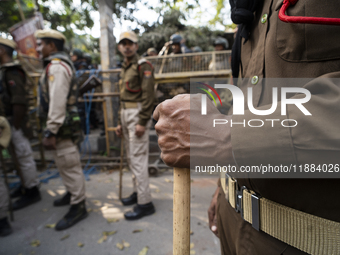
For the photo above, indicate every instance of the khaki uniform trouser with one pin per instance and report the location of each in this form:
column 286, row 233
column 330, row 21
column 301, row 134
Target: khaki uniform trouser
column 67, row 159
column 3, row 199
column 137, row 152
column 25, row 159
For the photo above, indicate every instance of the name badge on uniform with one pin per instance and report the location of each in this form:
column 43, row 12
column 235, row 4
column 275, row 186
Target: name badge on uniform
column 147, row 74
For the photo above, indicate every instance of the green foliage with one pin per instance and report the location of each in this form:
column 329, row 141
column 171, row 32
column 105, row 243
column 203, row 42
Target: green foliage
column 159, row 33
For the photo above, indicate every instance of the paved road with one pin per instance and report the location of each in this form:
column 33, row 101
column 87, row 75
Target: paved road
column 102, row 200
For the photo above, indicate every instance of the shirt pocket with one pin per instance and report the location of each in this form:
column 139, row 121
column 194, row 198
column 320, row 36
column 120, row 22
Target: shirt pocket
column 132, row 82
column 309, row 42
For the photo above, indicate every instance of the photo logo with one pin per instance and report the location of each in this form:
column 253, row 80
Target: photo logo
column 238, row 99
column 204, row 97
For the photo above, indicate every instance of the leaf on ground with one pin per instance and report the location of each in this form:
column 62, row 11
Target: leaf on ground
column 96, row 210
column 120, row 246
column 44, row 210
column 137, row 231
column 50, row 225
column 192, row 252
column 32, row 252
column 97, row 202
column 192, row 246
column 126, row 244
column 191, row 232
column 102, row 239
column 64, row 237
column 109, row 233
column 172, row 209
column 144, row 251
column 112, row 220
column 89, row 209
column 80, row 244
column 108, row 181
column 35, row 243
column 167, row 180
column 157, row 190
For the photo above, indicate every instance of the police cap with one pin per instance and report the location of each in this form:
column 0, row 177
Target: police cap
column 128, row 35
column 50, row 33
column 8, row 43
column 175, row 38
column 222, row 41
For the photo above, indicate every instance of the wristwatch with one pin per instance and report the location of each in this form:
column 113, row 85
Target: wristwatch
column 48, row 133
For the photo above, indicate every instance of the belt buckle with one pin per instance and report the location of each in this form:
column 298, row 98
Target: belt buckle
column 238, row 195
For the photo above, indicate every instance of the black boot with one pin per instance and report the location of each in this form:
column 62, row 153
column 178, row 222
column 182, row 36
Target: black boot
column 65, row 200
column 5, row 228
column 132, row 199
column 76, row 213
column 140, row 211
column 18, row 192
column 29, row 197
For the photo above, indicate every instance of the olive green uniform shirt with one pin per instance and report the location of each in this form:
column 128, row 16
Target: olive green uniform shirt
column 277, row 49
column 137, row 85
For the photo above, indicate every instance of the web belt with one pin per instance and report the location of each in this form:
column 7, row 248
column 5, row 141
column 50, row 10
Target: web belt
column 311, row 234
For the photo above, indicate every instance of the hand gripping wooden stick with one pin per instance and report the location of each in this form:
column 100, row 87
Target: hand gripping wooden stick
column 181, row 212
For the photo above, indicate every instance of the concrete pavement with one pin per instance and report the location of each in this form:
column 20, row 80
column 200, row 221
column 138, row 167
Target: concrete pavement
column 103, row 204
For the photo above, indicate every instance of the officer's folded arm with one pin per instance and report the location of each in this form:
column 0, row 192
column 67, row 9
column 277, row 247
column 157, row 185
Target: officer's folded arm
column 185, row 136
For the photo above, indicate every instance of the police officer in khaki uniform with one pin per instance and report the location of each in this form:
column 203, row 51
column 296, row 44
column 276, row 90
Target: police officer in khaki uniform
column 296, row 216
column 13, row 96
column 137, row 102
column 59, row 114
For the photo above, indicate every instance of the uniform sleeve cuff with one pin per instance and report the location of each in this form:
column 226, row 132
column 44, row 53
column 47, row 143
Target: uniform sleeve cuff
column 261, row 145
column 142, row 122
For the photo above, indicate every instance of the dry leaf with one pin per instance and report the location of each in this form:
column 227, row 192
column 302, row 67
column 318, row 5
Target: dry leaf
column 108, row 181
column 120, row 246
column 137, row 230
column 126, row 244
column 109, row 233
column 157, row 190
column 89, row 209
column 191, row 232
column 44, row 210
column 64, row 237
column 192, row 252
column 192, row 246
column 32, row 252
column 35, row 243
column 167, row 180
column 80, row 244
column 50, row 225
column 112, row 220
column 97, row 202
column 144, row 251
column 102, row 239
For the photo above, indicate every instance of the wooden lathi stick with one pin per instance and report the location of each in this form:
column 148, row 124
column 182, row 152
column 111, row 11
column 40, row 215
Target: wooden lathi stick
column 181, row 212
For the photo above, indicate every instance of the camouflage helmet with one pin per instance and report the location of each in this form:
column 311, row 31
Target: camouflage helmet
column 78, row 53
column 196, row 49
column 175, row 38
column 87, row 57
column 222, row 41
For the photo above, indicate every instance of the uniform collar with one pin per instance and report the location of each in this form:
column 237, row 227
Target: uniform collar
column 133, row 61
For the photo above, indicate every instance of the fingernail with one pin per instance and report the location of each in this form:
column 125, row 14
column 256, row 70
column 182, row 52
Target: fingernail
column 213, row 228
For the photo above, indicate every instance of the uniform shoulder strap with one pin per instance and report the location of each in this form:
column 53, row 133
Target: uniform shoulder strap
column 143, row 61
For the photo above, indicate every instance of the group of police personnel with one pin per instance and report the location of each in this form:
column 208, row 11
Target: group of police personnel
column 267, row 216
